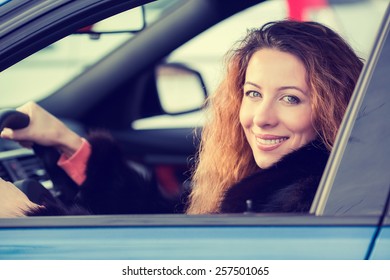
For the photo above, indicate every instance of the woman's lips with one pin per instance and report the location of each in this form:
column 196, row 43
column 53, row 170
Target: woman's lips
column 269, row 142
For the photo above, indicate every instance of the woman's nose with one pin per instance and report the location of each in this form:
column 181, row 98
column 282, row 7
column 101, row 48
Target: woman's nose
column 265, row 115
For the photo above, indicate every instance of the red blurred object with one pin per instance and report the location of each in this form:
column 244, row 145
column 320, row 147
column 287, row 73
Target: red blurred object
column 168, row 181
column 297, row 9
column 86, row 29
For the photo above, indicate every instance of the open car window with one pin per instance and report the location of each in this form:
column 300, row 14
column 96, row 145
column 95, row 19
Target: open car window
column 343, row 224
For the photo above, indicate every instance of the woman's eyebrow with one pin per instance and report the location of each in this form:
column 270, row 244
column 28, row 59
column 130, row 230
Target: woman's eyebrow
column 252, row 84
column 293, row 87
column 280, row 88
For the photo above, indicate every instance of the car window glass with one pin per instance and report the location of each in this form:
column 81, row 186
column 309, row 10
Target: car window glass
column 46, row 71
column 361, row 184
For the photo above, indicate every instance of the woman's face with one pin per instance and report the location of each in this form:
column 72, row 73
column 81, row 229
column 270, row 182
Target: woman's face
column 276, row 110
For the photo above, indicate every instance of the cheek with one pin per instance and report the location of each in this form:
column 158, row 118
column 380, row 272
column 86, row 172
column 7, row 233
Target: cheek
column 301, row 124
column 245, row 116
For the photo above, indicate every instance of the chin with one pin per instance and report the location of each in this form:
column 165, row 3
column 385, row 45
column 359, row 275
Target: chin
column 267, row 162
column 265, row 165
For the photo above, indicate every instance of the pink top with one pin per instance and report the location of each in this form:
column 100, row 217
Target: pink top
column 76, row 165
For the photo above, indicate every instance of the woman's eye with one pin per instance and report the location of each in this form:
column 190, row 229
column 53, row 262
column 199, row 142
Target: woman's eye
column 291, row 99
column 253, row 94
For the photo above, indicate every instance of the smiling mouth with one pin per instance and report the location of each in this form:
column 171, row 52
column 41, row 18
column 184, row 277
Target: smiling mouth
column 275, row 141
column 269, row 144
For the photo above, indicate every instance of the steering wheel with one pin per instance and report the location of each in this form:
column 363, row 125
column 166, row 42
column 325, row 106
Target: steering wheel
column 63, row 185
column 13, row 119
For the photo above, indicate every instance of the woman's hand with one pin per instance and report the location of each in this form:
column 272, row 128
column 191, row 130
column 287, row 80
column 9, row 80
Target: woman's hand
column 44, row 129
column 13, row 202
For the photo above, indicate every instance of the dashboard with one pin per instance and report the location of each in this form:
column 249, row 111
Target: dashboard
column 18, row 163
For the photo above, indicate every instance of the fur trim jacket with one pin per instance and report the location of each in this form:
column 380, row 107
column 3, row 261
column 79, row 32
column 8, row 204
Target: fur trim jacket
column 113, row 187
column 287, row 186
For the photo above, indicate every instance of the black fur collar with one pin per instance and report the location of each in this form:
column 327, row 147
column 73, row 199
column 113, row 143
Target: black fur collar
column 287, row 186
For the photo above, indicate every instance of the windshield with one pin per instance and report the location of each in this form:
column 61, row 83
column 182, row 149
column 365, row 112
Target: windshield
column 64, row 60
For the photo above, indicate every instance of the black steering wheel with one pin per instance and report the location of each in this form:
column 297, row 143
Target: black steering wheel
column 65, row 188
column 13, row 119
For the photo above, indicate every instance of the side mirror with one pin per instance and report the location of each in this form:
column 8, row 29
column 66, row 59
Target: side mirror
column 180, row 89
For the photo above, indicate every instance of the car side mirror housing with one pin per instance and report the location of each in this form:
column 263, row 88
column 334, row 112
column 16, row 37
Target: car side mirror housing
column 180, row 89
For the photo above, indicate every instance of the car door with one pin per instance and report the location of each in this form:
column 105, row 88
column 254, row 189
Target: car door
column 382, row 244
column 347, row 221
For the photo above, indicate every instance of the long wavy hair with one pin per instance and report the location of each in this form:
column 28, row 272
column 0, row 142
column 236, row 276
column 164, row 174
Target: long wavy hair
column 224, row 156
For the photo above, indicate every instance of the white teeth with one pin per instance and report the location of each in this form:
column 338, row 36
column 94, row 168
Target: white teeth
column 270, row 141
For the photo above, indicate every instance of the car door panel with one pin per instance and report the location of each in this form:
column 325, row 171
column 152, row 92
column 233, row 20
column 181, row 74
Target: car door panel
column 382, row 245
column 170, row 237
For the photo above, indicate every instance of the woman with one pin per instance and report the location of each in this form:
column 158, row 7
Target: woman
column 273, row 121
column 331, row 71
